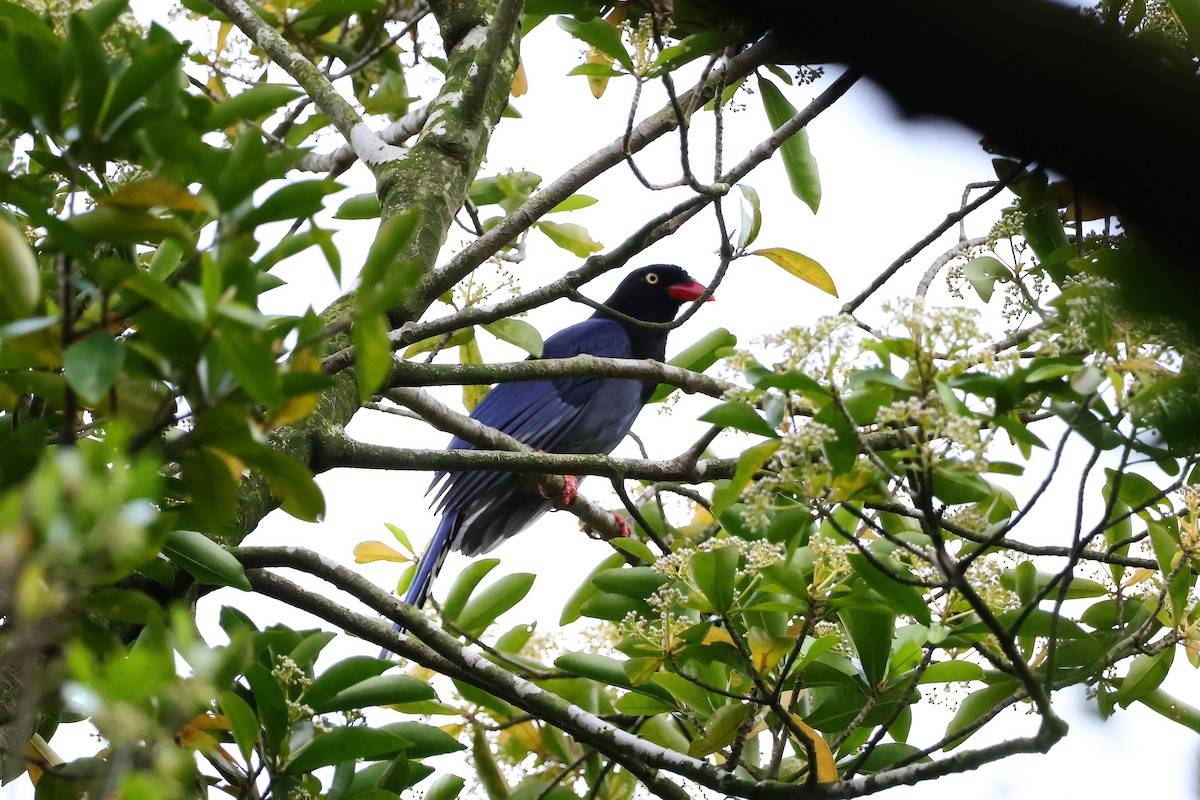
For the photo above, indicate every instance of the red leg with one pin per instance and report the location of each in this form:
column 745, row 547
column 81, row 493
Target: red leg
column 624, row 530
column 570, row 492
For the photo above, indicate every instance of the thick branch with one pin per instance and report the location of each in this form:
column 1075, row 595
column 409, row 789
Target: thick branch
column 407, row 373
column 349, row 453
column 477, row 433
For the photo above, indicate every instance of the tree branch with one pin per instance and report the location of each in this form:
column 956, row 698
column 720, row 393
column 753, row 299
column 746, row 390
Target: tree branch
column 654, row 127
column 407, row 373
column 343, row 115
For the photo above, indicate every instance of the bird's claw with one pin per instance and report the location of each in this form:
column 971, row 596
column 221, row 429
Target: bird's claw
column 624, row 530
column 569, row 494
column 570, row 491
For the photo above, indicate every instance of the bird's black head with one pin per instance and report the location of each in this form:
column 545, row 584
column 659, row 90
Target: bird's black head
column 655, row 293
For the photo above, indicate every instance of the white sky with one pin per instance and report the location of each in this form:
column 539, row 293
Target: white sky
column 887, row 182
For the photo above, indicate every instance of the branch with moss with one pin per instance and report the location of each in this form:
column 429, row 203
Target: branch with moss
column 407, row 373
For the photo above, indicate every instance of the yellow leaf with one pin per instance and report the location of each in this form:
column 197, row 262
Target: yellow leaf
column 598, row 83
column 699, row 524
column 298, row 407
column 766, row 650
column 38, row 755
column 801, row 266
column 826, row 768
column 193, row 737
column 526, row 735
column 236, row 467
column 1138, row 576
column 210, row 722
column 468, row 353
column 154, row 192
column 716, row 634
column 366, row 552
column 520, row 83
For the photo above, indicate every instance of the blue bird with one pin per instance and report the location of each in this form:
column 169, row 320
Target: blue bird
column 567, row 415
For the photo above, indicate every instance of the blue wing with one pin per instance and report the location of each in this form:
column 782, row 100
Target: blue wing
column 569, row 415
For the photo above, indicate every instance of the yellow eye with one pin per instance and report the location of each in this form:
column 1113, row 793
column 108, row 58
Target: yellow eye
column 651, row 278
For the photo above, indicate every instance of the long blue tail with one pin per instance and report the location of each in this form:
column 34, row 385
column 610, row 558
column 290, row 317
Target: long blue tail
column 428, row 566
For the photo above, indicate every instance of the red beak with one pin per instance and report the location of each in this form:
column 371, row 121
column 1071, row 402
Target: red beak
column 688, row 291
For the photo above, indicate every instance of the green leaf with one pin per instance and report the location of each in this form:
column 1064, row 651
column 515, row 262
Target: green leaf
column 338, row 8
column 686, row 693
column 290, row 481
column 380, row 690
column 1165, row 542
column 517, row 332
column 797, row 158
column 342, row 675
column 801, row 266
column 249, row 356
column 361, row 206
column 587, row 589
column 637, row 549
column 613, row 607
column 889, row 753
column 386, row 276
column 573, row 203
column 734, row 414
column 570, row 237
column 983, row 272
column 608, row 671
column 698, row 356
column 954, row 484
column 751, row 216
column 243, row 723
column 93, row 364
column 632, row 581
column 690, row 48
column 464, row 585
column 372, row 353
column 1038, row 581
column 456, row 339
column 424, row 740
column 344, row 744
column 975, row 705
column 482, row 609
column 294, row 201
column 720, row 730
column 871, row 634
column 952, row 672
column 715, row 573
column 748, row 464
column 446, row 787
column 1146, row 673
column 600, row 35
column 205, row 560
column 252, row 104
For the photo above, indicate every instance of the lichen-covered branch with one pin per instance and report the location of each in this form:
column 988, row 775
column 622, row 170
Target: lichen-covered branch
column 407, row 373
column 337, row 452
